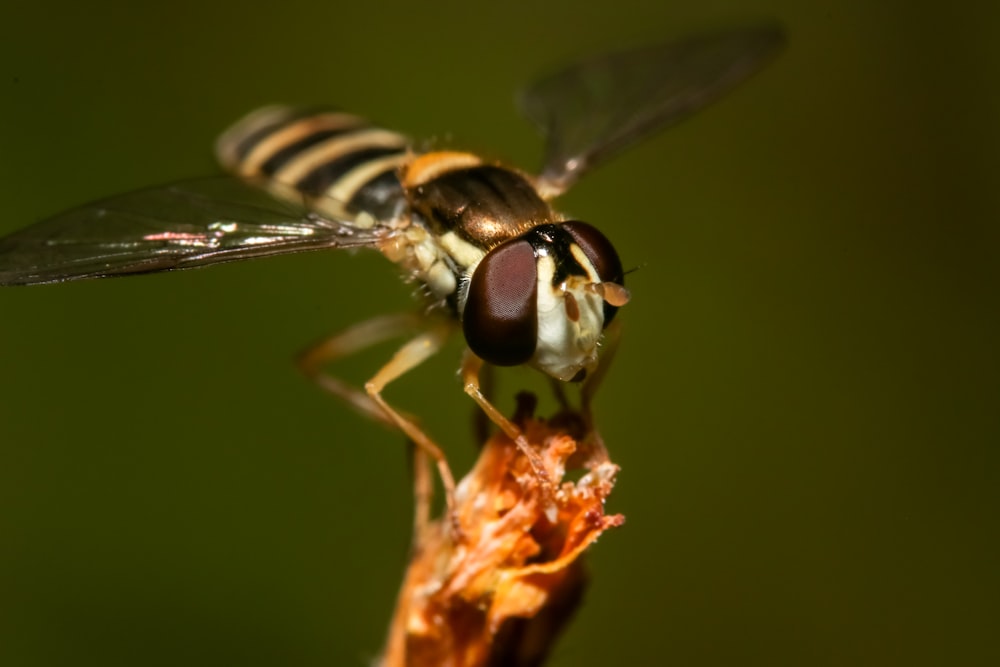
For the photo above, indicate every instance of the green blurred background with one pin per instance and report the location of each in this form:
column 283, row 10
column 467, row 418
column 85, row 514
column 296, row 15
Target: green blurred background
column 805, row 406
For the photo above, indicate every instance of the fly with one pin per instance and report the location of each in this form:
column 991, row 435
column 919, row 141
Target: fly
column 525, row 285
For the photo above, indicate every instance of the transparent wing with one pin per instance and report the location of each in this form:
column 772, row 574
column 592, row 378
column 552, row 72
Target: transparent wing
column 596, row 108
column 179, row 226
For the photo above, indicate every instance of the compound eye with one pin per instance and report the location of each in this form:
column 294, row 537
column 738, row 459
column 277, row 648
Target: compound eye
column 598, row 249
column 500, row 320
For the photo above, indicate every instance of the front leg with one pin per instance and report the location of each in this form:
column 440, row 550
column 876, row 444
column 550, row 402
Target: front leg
column 471, row 367
column 612, row 338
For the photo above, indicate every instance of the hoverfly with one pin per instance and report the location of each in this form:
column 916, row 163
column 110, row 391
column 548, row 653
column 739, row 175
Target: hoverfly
column 526, row 286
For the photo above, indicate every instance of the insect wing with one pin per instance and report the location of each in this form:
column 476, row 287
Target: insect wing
column 590, row 111
column 180, row 226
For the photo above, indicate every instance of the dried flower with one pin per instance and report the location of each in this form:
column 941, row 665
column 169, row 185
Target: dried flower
column 499, row 593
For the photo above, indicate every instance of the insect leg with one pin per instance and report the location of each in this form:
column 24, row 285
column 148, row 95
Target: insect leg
column 612, row 337
column 481, row 420
column 471, row 367
column 559, row 392
column 423, row 488
column 409, row 356
column 347, row 342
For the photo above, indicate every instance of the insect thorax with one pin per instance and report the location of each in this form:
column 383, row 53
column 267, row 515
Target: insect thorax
column 467, row 208
column 484, row 204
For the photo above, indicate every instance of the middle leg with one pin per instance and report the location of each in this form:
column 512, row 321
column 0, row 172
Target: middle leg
column 409, row 356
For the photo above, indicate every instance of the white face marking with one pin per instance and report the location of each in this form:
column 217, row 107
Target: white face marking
column 564, row 347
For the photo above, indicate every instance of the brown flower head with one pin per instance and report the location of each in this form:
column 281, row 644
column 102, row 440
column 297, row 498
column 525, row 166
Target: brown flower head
column 499, row 593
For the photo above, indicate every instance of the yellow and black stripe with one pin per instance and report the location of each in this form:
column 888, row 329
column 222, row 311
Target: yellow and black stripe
column 336, row 160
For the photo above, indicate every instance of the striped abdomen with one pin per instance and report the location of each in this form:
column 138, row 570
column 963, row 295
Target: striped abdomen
column 335, row 159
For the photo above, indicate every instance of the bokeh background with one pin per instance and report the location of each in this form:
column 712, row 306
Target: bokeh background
column 805, row 405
